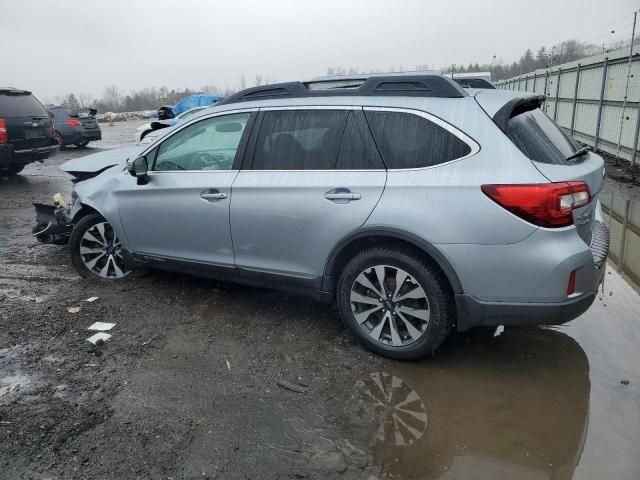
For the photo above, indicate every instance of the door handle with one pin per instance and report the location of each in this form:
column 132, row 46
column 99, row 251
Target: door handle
column 213, row 195
column 341, row 195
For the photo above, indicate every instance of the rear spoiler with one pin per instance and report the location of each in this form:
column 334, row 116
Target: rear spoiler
column 515, row 107
column 92, row 112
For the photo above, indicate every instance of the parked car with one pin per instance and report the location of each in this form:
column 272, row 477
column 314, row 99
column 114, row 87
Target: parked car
column 26, row 131
column 143, row 130
column 479, row 80
column 187, row 103
column 75, row 127
column 413, row 206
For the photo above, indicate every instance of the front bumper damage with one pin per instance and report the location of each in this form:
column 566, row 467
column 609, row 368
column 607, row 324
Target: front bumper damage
column 53, row 224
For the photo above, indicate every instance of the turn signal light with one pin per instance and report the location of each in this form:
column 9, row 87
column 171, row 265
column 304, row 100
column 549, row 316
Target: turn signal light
column 547, row 205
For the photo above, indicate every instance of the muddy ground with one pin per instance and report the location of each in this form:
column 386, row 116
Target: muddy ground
column 187, row 387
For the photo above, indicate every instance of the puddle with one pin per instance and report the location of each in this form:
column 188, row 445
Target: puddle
column 14, row 384
column 555, row 403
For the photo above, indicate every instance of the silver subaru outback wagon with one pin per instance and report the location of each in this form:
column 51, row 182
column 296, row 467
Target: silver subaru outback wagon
column 413, row 204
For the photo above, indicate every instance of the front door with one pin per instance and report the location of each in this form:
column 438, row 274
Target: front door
column 182, row 213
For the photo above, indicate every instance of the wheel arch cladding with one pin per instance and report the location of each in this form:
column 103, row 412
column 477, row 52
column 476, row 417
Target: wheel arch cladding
column 385, row 236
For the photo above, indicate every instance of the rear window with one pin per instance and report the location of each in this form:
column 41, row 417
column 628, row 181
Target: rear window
column 411, row 141
column 540, row 138
column 20, row 106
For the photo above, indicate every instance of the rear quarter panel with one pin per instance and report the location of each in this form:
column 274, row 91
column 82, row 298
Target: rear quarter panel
column 444, row 204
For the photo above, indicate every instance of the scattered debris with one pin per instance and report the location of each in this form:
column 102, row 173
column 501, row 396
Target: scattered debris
column 73, row 309
column 102, row 326
column 149, row 341
column 99, row 338
column 91, row 299
column 499, row 330
column 624, row 382
column 294, row 387
column 228, row 365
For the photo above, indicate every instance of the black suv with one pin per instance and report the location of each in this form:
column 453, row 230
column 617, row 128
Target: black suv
column 26, row 131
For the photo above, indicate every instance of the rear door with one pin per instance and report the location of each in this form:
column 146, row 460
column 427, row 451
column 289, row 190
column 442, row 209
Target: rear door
column 548, row 147
column 27, row 122
column 313, row 176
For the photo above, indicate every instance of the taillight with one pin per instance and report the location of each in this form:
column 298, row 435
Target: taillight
column 53, row 129
column 544, row 204
column 74, row 122
column 4, row 135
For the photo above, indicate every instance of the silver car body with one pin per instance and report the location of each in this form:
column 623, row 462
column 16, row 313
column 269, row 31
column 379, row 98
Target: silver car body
column 276, row 227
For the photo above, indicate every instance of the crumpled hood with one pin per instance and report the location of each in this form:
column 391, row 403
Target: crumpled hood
column 102, row 160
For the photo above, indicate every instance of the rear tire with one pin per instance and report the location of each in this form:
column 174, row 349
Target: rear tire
column 406, row 317
column 96, row 251
column 63, row 145
column 14, row 170
column 82, row 143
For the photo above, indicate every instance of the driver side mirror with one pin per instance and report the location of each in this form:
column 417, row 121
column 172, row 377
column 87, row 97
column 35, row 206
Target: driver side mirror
column 138, row 168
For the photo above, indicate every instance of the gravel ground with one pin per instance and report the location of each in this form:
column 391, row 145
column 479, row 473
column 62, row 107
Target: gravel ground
column 203, row 379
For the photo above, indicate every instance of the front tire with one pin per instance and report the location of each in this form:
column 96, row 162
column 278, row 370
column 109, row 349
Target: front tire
column 397, row 304
column 96, row 250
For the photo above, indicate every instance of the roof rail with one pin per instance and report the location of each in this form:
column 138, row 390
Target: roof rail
column 430, row 85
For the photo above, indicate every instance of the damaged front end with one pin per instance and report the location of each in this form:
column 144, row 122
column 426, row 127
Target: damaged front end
column 53, row 224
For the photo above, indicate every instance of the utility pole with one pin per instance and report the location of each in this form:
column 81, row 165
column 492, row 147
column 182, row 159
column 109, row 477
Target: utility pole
column 626, row 88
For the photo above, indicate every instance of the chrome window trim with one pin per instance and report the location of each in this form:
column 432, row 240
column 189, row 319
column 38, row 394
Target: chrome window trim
column 470, row 142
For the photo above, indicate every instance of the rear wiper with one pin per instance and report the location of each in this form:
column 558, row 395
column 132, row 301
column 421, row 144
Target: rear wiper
column 579, row 153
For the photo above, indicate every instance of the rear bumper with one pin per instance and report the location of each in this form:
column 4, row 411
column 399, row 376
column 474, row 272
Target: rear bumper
column 92, row 134
column 9, row 156
column 537, row 284
column 79, row 135
column 474, row 313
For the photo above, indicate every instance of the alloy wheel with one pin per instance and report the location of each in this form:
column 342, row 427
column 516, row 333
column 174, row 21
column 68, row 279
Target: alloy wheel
column 100, row 250
column 390, row 305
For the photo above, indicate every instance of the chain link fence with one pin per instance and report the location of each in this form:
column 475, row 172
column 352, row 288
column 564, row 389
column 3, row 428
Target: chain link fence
column 587, row 98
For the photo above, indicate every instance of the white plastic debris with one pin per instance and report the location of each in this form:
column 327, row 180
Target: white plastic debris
column 102, row 326
column 499, row 330
column 73, row 309
column 92, row 299
column 99, row 336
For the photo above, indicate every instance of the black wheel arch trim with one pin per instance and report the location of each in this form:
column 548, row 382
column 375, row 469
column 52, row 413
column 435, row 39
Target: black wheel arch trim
column 395, row 234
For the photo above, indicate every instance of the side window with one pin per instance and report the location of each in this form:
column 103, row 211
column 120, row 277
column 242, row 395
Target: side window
column 357, row 150
column 210, row 144
column 410, row 141
column 299, row 139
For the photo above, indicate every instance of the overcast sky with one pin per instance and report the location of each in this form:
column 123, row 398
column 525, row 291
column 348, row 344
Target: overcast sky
column 80, row 46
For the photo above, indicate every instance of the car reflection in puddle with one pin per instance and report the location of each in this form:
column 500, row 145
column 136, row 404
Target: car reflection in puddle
column 514, row 406
column 401, row 411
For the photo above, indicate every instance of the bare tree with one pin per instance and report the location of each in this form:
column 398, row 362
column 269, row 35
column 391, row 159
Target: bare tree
column 85, row 100
column 113, row 97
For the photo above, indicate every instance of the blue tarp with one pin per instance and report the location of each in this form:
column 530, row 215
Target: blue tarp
column 198, row 100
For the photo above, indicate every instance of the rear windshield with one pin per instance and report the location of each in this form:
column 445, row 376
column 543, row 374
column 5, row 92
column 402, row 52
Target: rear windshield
column 20, row 106
column 540, row 138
